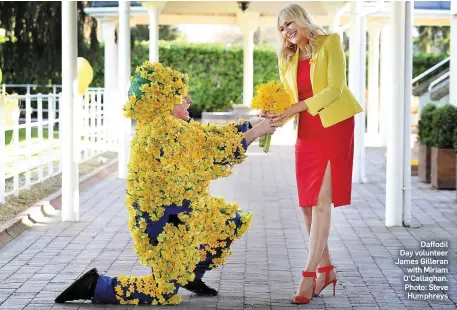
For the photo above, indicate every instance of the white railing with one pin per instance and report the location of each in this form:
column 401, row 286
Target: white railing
column 431, row 70
column 31, row 152
column 438, row 81
column 29, row 87
column 56, row 88
column 95, row 125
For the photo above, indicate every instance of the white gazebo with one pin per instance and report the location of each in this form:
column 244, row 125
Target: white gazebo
column 392, row 82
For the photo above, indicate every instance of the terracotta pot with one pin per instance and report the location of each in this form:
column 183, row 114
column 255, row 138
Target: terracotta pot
column 443, row 168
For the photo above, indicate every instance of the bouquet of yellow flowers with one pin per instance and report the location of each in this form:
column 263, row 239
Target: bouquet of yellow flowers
column 270, row 97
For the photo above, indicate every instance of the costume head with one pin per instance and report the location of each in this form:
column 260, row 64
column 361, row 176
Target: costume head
column 154, row 91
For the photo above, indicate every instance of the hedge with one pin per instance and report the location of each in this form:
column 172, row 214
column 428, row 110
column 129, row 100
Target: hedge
column 423, row 61
column 444, row 124
column 455, row 140
column 425, row 124
column 216, row 71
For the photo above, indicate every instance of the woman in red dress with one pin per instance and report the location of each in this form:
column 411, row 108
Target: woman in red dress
column 313, row 70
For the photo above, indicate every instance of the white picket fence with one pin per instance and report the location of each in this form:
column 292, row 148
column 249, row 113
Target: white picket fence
column 34, row 152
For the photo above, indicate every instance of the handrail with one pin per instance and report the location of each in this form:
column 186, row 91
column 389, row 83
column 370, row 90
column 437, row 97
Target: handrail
column 438, row 80
column 55, row 87
column 31, row 85
column 425, row 73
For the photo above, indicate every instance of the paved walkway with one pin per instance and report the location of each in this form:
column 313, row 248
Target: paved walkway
column 265, row 267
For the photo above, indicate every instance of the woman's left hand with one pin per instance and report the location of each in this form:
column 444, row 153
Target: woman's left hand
column 289, row 112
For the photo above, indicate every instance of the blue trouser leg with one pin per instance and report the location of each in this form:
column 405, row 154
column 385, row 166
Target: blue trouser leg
column 106, row 286
column 204, row 265
column 104, row 291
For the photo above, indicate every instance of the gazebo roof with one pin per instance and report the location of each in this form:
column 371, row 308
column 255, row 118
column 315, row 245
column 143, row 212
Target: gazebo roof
column 418, row 5
column 211, row 12
column 226, row 12
column 110, row 4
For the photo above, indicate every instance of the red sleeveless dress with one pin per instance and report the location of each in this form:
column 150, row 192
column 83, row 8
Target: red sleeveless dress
column 316, row 146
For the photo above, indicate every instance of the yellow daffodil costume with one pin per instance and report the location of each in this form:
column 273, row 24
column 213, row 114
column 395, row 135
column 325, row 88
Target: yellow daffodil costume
column 178, row 228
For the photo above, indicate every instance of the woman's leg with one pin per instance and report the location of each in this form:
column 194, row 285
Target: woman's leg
column 320, row 228
column 308, row 213
column 325, row 259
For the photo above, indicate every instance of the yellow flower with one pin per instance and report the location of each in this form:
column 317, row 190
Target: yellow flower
column 172, row 161
column 271, row 97
column 143, row 224
column 118, row 290
column 151, row 84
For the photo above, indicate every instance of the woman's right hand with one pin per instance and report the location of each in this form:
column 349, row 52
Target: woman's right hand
column 268, row 115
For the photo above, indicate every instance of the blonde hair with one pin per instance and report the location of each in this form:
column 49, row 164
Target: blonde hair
column 294, row 12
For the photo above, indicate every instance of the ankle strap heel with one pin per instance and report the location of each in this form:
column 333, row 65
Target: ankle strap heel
column 308, row 274
column 299, row 300
column 327, row 270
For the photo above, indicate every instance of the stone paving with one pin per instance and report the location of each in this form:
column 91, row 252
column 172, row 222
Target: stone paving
column 265, row 266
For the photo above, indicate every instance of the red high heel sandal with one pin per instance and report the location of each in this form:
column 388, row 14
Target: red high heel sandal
column 298, row 300
column 327, row 270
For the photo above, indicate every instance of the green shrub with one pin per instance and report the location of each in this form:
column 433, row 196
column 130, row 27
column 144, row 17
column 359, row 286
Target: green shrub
column 443, row 126
column 424, row 61
column 215, row 71
column 265, row 64
column 455, row 140
column 425, row 124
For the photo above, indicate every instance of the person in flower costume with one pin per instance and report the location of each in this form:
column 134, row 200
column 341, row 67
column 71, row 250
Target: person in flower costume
column 178, row 228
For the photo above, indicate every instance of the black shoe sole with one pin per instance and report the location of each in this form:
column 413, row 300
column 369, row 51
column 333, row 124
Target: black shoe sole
column 202, row 293
column 65, row 295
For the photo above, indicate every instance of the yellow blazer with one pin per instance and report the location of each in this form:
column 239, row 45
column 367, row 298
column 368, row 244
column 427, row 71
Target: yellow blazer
column 331, row 99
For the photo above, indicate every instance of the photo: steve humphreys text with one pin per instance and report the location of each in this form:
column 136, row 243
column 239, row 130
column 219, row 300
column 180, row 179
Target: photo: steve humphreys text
column 426, row 270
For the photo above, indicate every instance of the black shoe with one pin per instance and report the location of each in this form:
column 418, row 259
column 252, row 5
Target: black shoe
column 82, row 288
column 200, row 288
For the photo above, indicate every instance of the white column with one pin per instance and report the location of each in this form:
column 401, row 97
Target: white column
column 374, row 32
column 398, row 172
column 154, row 8
column 248, row 66
column 453, row 66
column 124, row 74
column 70, row 175
column 111, row 109
column 407, row 127
column 154, row 34
column 248, row 22
column 336, row 20
column 357, row 78
column 108, row 28
column 385, row 80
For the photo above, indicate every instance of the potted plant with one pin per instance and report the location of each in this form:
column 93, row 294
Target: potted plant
column 443, row 166
column 425, row 141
